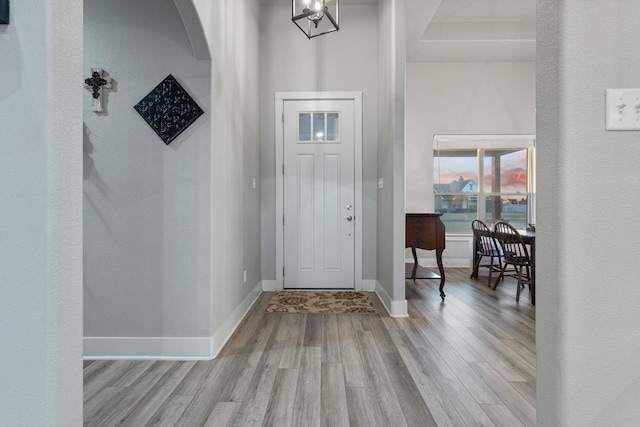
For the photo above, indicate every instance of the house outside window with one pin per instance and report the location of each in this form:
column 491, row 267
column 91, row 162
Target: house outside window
column 490, row 177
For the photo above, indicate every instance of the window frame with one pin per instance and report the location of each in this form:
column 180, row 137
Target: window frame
column 480, row 143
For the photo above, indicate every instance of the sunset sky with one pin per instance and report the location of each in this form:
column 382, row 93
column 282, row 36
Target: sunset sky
column 513, row 171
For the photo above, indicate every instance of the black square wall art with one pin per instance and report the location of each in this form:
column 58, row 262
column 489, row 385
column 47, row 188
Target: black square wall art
column 4, row 11
column 168, row 109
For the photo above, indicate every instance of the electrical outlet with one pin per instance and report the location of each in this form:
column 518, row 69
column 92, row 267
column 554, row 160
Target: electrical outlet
column 380, row 182
column 254, row 182
column 245, row 276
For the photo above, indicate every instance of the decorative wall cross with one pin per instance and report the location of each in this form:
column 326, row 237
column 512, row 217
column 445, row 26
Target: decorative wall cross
column 97, row 83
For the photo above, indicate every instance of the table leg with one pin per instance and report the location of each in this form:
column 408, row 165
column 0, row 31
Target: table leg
column 441, row 268
column 415, row 263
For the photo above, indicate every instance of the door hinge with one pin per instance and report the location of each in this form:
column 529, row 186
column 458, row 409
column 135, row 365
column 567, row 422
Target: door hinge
column 283, row 169
column 282, row 271
column 282, row 219
column 283, row 117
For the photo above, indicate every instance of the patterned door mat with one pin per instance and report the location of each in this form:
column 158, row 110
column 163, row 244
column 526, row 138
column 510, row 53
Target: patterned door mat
column 321, row 302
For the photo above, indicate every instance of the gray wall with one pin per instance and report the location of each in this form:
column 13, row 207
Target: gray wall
column 41, row 215
column 232, row 31
column 390, row 208
column 146, row 205
column 342, row 61
column 462, row 98
column 587, row 312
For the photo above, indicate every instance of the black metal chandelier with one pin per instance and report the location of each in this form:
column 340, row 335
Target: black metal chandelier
column 316, row 17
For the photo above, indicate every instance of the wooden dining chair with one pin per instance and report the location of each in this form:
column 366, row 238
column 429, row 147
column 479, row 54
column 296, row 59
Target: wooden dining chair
column 514, row 252
column 486, row 246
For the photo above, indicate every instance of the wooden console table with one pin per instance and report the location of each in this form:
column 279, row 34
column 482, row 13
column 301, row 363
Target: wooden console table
column 425, row 231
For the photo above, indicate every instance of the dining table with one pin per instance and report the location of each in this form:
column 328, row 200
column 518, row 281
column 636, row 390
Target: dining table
column 529, row 238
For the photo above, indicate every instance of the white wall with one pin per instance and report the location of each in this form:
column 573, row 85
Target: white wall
column 391, row 156
column 341, row 61
column 587, row 312
column 147, row 205
column 232, row 31
column 41, row 215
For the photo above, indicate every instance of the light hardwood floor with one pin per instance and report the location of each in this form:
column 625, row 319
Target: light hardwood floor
column 469, row 361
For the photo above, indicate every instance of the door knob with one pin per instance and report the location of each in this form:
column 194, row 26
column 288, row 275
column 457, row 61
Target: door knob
column 349, row 218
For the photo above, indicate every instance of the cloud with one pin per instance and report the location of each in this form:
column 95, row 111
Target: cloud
column 511, row 180
column 514, row 177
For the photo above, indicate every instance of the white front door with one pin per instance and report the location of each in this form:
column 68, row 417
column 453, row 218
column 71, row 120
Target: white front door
column 319, row 197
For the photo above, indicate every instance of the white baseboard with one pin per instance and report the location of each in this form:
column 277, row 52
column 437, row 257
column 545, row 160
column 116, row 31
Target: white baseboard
column 169, row 348
column 399, row 308
column 269, row 285
column 394, row 308
column 369, row 285
column 157, row 348
column 224, row 332
column 384, row 297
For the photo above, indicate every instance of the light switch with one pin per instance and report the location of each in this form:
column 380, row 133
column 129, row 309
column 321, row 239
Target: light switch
column 380, row 182
column 623, row 109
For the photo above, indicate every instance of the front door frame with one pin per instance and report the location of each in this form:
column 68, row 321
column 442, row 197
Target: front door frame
column 280, row 98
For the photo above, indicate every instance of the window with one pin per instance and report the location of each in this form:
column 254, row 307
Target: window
column 318, row 127
column 490, row 177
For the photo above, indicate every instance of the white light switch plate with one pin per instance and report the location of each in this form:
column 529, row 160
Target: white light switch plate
column 623, row 109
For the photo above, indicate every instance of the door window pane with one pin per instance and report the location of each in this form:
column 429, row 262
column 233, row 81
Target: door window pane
column 304, row 127
column 333, row 126
column 318, row 127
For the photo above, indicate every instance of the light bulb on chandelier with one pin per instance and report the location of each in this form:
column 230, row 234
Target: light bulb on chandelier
column 315, row 11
